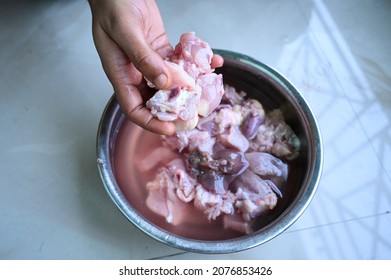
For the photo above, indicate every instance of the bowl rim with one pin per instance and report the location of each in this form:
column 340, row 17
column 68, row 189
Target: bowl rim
column 270, row 231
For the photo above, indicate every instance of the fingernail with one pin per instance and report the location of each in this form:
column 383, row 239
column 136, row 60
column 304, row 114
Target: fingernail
column 162, row 82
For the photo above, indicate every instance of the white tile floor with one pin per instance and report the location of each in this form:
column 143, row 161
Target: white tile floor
column 53, row 91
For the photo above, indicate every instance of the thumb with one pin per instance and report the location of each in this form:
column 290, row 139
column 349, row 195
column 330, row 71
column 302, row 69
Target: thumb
column 148, row 61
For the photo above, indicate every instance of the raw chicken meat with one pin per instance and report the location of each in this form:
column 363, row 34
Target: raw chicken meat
column 195, row 89
column 268, row 167
column 254, row 196
column 212, row 91
column 162, row 198
column 169, row 193
column 213, row 204
column 277, row 138
column 232, row 165
column 228, row 158
column 236, row 222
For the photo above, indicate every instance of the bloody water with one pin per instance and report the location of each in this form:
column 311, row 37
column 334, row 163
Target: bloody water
column 133, row 144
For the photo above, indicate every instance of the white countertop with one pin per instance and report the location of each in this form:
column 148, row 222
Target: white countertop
column 53, row 90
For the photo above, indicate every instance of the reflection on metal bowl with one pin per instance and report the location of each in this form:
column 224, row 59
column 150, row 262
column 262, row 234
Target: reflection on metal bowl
column 273, row 91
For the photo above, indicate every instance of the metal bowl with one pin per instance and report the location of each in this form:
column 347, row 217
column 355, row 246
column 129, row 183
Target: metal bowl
column 273, row 91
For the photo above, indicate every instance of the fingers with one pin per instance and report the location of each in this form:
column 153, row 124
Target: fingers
column 124, row 77
column 128, row 52
column 148, row 62
column 144, row 53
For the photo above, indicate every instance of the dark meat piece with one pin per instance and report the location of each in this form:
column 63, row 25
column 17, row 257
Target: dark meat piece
column 215, row 173
column 254, row 118
column 268, row 167
column 251, row 125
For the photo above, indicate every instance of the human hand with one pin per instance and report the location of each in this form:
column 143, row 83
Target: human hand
column 131, row 41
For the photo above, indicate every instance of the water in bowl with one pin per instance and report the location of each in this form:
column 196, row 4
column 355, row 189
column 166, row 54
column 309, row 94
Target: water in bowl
column 134, row 143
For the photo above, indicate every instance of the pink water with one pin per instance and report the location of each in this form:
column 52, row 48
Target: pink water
column 133, row 144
